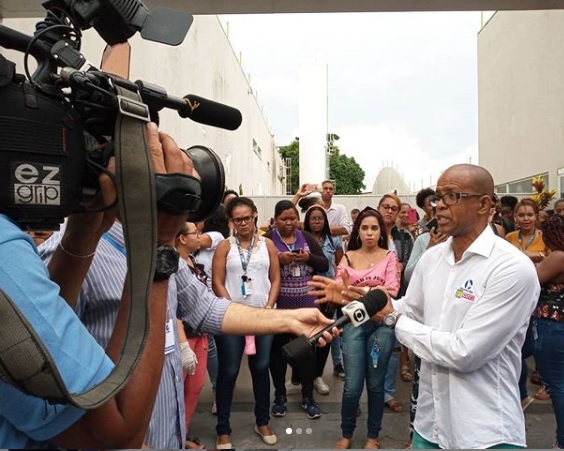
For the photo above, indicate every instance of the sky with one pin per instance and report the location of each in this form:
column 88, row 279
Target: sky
column 402, row 86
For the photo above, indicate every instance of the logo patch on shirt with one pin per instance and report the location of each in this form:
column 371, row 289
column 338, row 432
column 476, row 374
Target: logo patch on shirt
column 466, row 291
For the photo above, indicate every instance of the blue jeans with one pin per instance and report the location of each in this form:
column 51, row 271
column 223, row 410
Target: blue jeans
column 549, row 353
column 391, row 376
column 212, row 362
column 358, row 343
column 230, row 352
column 526, row 351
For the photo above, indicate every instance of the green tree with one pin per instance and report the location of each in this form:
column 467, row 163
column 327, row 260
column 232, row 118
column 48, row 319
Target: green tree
column 346, row 172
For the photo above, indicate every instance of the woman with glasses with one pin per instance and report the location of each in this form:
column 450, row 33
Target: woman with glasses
column 193, row 344
column 300, row 257
column 212, row 232
column 245, row 270
column 367, row 349
column 316, row 223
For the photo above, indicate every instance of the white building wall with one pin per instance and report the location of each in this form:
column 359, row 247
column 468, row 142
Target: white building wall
column 206, row 65
column 521, row 96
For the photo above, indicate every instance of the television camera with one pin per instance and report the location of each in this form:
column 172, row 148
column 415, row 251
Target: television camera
column 57, row 124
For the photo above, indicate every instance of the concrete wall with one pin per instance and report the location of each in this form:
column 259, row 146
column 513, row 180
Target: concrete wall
column 521, row 95
column 206, row 65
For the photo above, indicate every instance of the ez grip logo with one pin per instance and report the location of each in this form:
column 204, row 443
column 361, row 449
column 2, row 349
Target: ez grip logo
column 37, row 184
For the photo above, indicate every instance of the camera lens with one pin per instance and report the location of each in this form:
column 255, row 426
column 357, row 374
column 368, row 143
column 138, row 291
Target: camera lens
column 212, row 175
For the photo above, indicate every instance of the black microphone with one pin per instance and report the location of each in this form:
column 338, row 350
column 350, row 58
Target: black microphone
column 191, row 106
column 357, row 312
column 208, row 112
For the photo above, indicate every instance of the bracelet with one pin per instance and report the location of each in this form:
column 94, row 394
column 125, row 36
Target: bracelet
column 70, row 254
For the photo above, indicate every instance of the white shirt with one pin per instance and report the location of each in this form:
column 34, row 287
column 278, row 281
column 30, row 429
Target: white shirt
column 257, row 270
column 467, row 321
column 337, row 216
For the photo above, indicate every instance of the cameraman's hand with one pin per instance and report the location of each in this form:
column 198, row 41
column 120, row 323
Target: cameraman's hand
column 168, row 158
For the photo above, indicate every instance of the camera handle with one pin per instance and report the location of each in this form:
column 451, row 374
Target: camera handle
column 24, row 360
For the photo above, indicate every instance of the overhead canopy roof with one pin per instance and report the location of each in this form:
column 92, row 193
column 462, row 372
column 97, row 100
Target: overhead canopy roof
column 30, row 8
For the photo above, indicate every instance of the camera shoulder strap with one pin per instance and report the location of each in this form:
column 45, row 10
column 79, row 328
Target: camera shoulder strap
column 24, row 360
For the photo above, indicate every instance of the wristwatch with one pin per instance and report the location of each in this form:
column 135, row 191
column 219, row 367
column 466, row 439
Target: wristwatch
column 391, row 319
column 167, row 262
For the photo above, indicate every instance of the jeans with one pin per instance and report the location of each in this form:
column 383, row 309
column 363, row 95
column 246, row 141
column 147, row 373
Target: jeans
column 212, row 362
column 391, row 376
column 358, row 343
column 549, row 353
column 526, row 351
column 230, row 352
column 337, row 350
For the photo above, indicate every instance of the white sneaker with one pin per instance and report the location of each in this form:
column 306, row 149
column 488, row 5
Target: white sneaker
column 321, row 387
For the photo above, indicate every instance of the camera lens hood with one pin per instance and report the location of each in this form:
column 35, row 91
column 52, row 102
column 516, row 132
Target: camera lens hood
column 209, row 166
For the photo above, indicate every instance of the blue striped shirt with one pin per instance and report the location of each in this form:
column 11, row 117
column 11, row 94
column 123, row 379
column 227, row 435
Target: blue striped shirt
column 188, row 300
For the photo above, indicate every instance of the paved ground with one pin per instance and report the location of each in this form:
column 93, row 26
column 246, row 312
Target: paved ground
column 296, row 431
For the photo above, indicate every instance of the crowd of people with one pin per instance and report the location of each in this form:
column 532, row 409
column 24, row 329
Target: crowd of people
column 475, row 287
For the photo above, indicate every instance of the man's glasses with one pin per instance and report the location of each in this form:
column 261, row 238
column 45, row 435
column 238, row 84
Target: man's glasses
column 241, row 220
column 451, row 198
column 389, row 207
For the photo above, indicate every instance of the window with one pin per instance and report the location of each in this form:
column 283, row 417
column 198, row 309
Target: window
column 522, row 186
column 257, row 149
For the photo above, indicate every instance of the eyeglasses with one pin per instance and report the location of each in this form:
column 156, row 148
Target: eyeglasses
column 317, row 219
column 241, row 220
column 452, row 198
column 393, row 208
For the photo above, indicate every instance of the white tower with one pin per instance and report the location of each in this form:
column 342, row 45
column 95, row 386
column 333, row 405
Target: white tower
column 313, row 121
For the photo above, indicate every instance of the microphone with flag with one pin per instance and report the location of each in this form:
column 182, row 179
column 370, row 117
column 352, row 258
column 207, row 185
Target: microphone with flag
column 356, row 313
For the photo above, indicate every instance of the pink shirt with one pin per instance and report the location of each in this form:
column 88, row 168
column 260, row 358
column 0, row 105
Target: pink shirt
column 383, row 273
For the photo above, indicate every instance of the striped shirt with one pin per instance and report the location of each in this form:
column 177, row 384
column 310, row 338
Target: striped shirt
column 188, row 300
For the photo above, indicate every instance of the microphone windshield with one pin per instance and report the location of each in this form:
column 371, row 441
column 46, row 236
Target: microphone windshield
column 208, row 112
column 374, row 301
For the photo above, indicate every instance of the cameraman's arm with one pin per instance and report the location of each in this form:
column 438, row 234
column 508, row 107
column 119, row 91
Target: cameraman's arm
column 120, row 422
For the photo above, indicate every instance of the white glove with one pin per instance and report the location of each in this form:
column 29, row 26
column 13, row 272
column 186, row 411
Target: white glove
column 188, row 357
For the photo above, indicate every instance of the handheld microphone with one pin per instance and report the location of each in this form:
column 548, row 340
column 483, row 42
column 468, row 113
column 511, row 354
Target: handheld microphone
column 357, row 312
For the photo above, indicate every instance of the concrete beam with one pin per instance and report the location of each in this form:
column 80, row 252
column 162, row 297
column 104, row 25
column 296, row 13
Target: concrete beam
column 32, row 8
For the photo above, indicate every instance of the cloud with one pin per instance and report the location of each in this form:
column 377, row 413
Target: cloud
column 402, row 86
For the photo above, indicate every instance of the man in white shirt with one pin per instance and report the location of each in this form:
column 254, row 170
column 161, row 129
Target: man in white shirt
column 465, row 313
column 337, row 215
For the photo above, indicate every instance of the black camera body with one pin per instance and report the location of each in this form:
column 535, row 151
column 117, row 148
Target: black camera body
column 42, row 157
column 57, row 126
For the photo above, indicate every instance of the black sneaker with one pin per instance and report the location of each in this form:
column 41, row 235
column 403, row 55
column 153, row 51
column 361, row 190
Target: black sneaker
column 279, row 406
column 339, row 371
column 312, row 409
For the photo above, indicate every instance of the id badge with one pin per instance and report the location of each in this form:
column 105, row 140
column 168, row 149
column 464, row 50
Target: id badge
column 248, row 287
column 296, row 271
column 169, row 336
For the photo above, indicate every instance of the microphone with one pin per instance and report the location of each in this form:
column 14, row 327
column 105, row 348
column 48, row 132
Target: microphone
column 208, row 112
column 357, row 312
column 191, row 106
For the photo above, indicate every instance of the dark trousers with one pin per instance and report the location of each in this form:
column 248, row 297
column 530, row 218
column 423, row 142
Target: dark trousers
column 305, row 372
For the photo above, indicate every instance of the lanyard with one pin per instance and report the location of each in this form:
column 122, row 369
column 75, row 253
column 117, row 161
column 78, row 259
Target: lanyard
column 114, row 243
column 244, row 260
column 529, row 241
column 290, row 247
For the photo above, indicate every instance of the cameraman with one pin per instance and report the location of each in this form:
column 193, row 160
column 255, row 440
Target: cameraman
column 28, row 422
